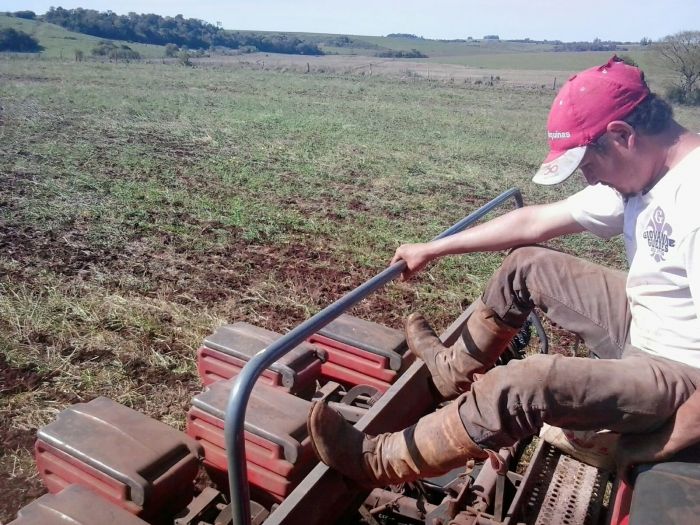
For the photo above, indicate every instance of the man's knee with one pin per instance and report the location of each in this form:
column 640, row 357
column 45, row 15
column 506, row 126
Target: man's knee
column 509, row 402
column 523, row 262
column 515, row 287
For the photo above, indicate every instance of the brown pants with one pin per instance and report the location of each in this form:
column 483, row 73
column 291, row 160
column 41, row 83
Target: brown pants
column 627, row 390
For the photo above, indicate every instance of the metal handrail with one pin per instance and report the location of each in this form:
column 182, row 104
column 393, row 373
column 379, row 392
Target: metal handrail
column 243, row 386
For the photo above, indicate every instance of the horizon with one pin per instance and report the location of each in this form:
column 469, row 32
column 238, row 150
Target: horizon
column 579, row 23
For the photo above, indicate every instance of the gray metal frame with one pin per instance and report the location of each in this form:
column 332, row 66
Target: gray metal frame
column 243, row 386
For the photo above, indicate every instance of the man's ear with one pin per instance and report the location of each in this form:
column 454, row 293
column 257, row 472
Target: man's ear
column 622, row 134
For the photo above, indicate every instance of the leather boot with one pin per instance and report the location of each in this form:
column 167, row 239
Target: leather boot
column 484, row 338
column 435, row 445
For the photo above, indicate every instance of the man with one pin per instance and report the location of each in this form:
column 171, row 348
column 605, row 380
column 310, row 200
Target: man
column 644, row 174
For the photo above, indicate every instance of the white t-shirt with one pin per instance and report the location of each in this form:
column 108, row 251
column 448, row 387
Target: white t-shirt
column 663, row 250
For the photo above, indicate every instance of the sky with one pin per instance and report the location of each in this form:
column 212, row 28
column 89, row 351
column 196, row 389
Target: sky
column 621, row 20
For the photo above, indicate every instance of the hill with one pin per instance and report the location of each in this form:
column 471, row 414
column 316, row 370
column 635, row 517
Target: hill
column 61, row 43
column 488, row 54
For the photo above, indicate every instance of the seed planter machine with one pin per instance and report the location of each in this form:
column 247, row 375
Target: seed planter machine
column 106, row 464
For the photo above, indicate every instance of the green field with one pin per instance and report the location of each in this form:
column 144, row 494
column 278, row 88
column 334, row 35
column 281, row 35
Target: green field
column 61, row 43
column 142, row 205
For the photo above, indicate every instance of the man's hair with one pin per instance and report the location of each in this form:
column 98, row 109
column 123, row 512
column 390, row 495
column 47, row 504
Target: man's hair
column 651, row 116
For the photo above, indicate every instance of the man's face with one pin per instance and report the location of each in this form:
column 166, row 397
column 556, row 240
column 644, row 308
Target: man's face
column 612, row 166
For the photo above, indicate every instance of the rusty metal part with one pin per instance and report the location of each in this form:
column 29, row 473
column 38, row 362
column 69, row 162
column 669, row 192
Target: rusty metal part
column 331, row 388
column 482, row 494
column 367, row 516
column 353, row 403
column 558, row 490
column 210, row 508
column 356, row 402
column 202, row 505
column 381, row 500
column 364, row 394
column 452, row 507
column 258, row 514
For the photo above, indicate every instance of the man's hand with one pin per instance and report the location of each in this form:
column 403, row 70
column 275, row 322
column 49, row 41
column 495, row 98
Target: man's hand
column 417, row 256
column 680, row 432
column 636, row 449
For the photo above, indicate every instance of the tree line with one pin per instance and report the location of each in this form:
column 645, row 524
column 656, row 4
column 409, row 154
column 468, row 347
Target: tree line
column 596, row 45
column 178, row 30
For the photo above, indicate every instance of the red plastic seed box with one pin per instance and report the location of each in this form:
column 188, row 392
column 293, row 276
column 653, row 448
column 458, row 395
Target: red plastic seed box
column 75, row 505
column 131, row 460
column 362, row 352
column 278, row 449
column 225, row 352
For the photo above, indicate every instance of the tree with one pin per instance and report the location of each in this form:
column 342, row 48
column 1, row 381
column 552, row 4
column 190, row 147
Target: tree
column 681, row 52
column 14, row 40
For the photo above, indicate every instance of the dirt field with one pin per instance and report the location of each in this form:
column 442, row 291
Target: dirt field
column 143, row 205
column 546, row 70
column 407, row 69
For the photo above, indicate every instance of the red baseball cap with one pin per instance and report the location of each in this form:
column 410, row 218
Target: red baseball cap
column 582, row 110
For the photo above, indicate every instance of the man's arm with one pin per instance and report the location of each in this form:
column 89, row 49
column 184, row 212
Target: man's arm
column 528, row 225
column 680, row 432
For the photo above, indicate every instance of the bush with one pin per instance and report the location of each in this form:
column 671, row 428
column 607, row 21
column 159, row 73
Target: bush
column 695, row 98
column 124, row 53
column 678, row 95
column 184, row 57
column 171, row 50
column 394, row 53
column 114, row 52
column 18, row 41
column 28, row 15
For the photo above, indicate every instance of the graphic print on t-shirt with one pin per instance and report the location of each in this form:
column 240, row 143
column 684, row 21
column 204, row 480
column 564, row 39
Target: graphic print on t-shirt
column 658, row 235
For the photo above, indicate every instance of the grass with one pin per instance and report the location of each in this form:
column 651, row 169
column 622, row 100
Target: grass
column 142, row 205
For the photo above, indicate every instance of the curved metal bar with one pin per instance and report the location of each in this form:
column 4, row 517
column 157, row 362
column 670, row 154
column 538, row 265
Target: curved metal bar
column 243, row 386
column 541, row 334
